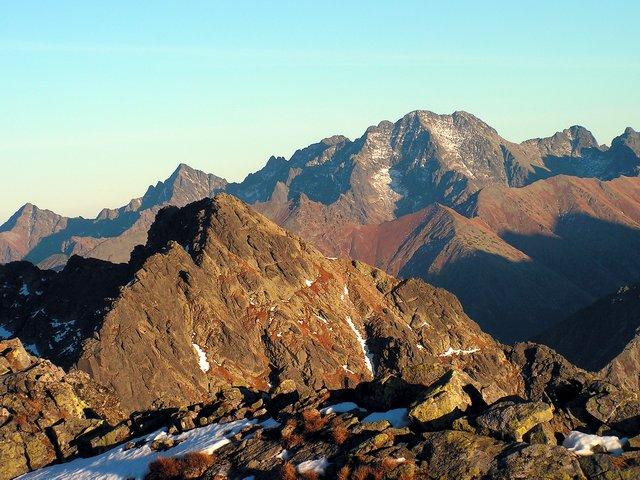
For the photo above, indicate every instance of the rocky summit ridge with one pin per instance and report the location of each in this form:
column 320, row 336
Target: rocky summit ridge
column 221, row 296
column 228, row 347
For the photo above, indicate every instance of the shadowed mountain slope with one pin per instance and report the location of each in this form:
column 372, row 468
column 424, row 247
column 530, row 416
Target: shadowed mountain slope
column 222, row 296
column 603, row 337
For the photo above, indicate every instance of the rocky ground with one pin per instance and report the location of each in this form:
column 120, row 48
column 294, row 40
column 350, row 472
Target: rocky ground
column 381, row 429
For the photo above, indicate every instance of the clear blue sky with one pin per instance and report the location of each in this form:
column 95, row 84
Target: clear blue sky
column 99, row 99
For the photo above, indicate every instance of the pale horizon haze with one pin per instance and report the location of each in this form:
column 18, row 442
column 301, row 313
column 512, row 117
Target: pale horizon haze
column 100, row 99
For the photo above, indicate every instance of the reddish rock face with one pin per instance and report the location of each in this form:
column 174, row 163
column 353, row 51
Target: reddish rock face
column 222, row 296
column 519, row 259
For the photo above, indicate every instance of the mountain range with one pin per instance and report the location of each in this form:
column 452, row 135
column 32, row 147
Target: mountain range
column 229, row 348
column 524, row 234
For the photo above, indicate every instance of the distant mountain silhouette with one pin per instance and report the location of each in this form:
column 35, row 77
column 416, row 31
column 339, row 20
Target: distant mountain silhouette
column 524, row 234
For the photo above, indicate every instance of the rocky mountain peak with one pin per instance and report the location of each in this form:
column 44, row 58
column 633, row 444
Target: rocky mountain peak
column 630, row 138
column 185, row 185
column 570, row 142
column 30, row 213
column 261, row 305
column 335, row 140
column 580, row 138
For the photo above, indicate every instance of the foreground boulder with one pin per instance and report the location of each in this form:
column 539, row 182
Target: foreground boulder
column 326, row 435
column 44, row 413
column 512, row 420
column 443, row 401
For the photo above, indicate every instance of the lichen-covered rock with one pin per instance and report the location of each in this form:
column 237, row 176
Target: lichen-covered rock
column 618, row 409
column 459, row 455
column 536, row 462
column 541, row 433
column 601, row 466
column 44, row 418
column 443, row 400
column 512, row 420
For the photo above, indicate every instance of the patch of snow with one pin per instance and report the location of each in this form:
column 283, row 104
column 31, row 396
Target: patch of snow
column 314, row 466
column 340, row 408
column 202, row 358
column 346, row 369
column 398, row 417
column 284, row 455
column 456, row 351
column 308, row 283
column 420, row 346
column 270, row 423
column 382, row 182
column 216, row 446
column 24, row 291
column 368, row 357
column 583, row 443
column 4, row 333
column 345, row 293
column 121, row 464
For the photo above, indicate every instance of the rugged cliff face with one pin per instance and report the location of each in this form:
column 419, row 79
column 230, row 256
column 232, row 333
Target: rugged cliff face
column 222, row 296
column 46, row 414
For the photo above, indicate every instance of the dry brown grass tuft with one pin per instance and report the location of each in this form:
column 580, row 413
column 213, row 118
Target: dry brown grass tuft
column 196, row 463
column 344, row 473
column 288, row 471
column 310, row 476
column 339, row 433
column 191, row 465
column 163, row 469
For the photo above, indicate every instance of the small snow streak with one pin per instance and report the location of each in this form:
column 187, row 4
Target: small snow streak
column 457, row 351
column 314, row 466
column 202, row 358
column 345, row 293
column 368, row 357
